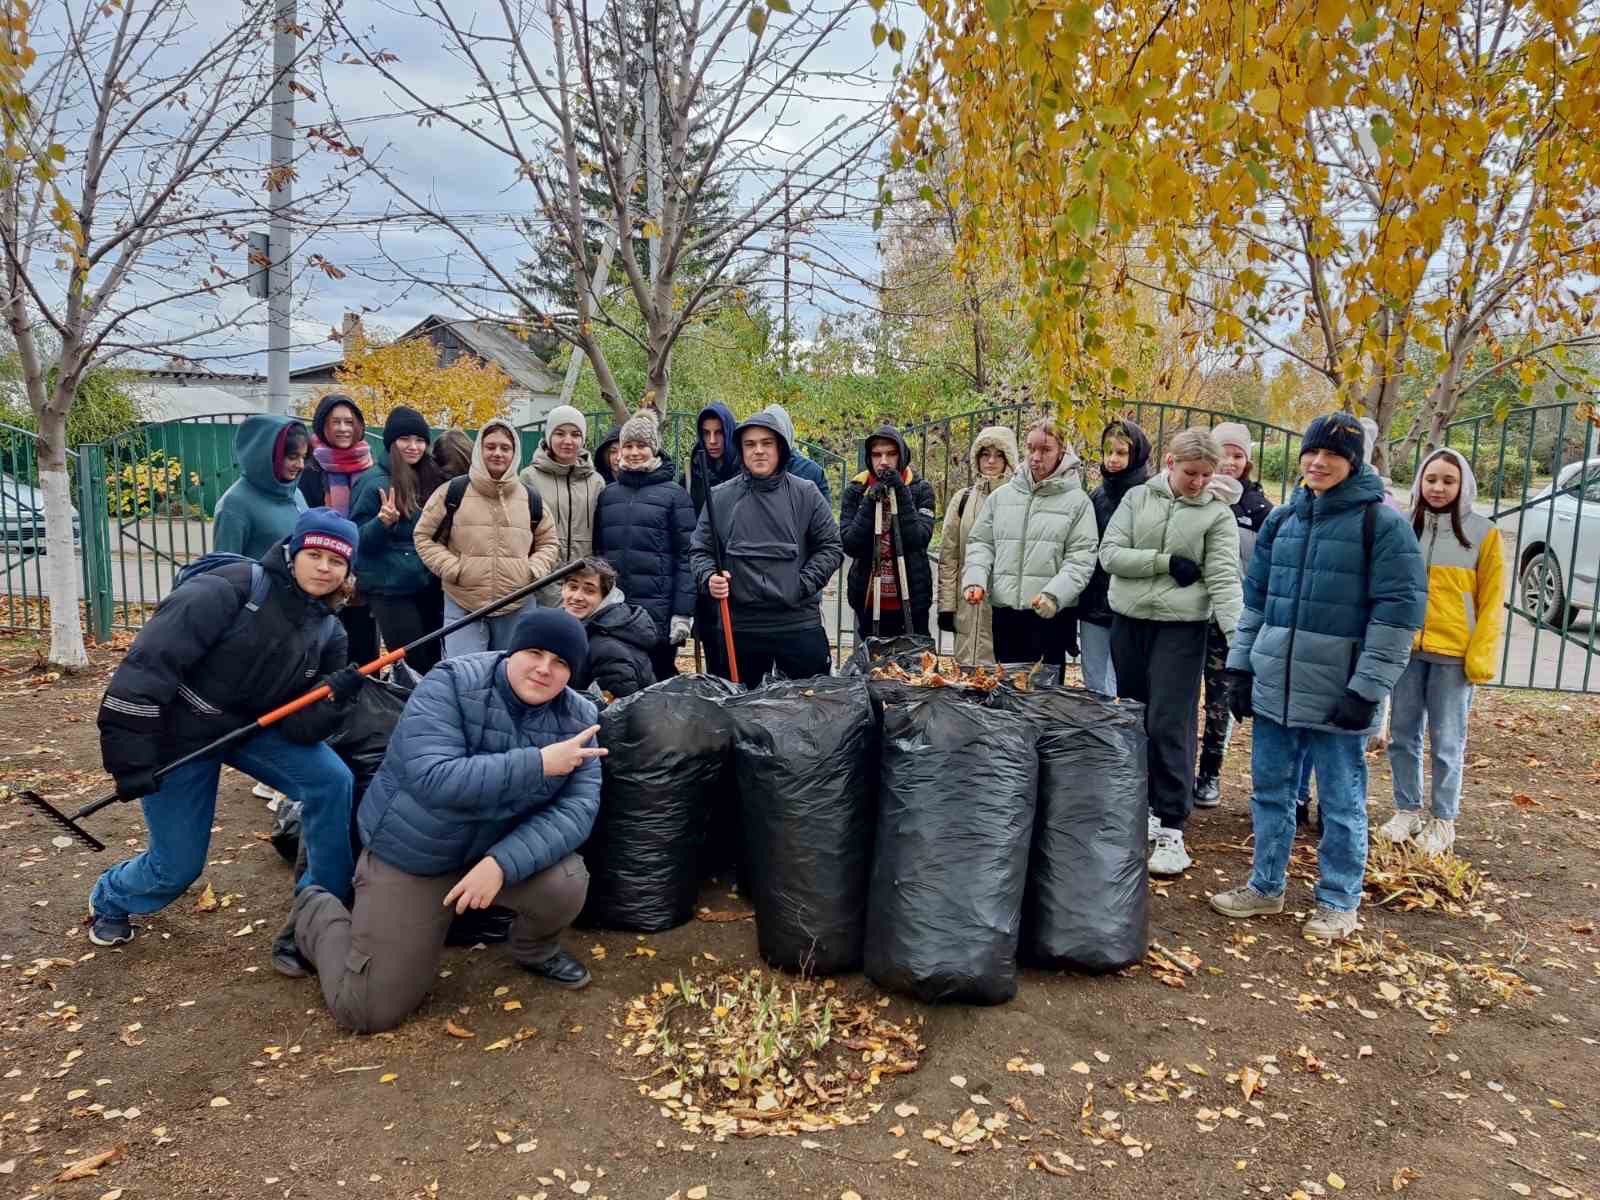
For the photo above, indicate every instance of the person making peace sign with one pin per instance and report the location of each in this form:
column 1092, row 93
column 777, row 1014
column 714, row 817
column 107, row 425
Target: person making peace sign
column 405, row 596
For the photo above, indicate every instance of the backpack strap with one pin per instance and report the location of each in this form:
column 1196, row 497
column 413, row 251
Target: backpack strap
column 1369, row 533
column 535, row 506
column 961, row 505
column 454, row 491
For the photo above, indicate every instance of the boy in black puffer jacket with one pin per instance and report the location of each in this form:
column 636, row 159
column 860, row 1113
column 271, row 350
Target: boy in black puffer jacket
column 642, row 525
column 621, row 635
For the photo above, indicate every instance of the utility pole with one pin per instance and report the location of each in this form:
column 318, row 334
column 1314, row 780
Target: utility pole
column 652, row 136
column 786, row 261
column 281, row 197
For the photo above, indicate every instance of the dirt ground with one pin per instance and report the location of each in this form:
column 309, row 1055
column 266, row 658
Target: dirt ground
column 1447, row 1055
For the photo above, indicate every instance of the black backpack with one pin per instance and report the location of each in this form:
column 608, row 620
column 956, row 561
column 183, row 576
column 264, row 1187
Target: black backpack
column 456, row 489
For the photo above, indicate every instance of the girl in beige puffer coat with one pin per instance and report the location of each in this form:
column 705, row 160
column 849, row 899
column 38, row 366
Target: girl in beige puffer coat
column 993, row 458
column 491, row 547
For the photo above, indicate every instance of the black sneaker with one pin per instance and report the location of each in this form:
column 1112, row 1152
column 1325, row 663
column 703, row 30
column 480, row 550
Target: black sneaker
column 562, row 970
column 1207, row 792
column 286, row 957
column 110, row 931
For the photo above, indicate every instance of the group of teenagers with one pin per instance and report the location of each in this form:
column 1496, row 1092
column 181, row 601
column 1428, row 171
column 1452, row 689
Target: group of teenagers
column 1165, row 579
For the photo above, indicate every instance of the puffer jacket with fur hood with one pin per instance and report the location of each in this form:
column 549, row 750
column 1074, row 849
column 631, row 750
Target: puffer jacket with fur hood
column 960, row 515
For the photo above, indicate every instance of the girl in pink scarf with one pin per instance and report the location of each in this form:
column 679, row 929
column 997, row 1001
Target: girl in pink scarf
column 340, row 452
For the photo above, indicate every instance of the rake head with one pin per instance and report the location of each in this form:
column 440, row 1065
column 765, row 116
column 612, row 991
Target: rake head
column 60, row 818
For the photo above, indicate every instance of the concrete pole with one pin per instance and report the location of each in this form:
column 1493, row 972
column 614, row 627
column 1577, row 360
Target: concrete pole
column 280, row 301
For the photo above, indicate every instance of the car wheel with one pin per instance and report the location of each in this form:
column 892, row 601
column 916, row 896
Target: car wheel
column 1544, row 593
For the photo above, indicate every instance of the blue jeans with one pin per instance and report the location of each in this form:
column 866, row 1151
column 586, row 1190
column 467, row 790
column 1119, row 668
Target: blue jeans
column 491, row 633
column 179, row 819
column 1436, row 696
column 1340, row 762
column 1095, row 643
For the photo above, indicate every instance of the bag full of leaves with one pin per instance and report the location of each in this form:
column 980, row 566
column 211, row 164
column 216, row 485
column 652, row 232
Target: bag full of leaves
column 870, row 651
column 286, row 830
column 805, row 757
column 668, row 745
column 364, row 740
column 1088, row 897
column 956, row 807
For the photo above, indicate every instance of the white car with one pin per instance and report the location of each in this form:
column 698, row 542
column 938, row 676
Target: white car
column 22, row 517
column 1556, row 538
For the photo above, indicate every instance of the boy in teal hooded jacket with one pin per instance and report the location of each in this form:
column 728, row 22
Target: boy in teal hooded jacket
column 263, row 504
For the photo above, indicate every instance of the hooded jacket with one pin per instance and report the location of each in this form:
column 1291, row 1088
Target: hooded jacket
column 569, row 492
column 491, row 551
column 313, row 480
column 621, row 636
column 1318, row 616
column 778, row 540
column 387, row 563
column 204, row 664
column 798, row 464
column 601, row 468
column 960, row 515
column 1151, row 526
column 463, row 778
column 1466, row 584
column 642, row 527
column 1034, row 537
column 914, row 498
column 1250, row 512
column 722, row 469
column 1093, row 605
column 259, row 509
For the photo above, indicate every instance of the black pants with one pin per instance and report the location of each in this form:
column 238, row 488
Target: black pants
column 1159, row 664
column 404, row 619
column 795, row 653
column 1023, row 636
column 1219, row 720
column 892, row 622
column 361, row 630
column 708, row 631
column 664, row 660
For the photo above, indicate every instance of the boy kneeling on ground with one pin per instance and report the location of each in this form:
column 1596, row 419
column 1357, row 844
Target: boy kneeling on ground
column 487, row 790
column 621, row 635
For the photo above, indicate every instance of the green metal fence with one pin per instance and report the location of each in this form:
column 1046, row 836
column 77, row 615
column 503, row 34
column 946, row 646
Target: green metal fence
column 1538, row 475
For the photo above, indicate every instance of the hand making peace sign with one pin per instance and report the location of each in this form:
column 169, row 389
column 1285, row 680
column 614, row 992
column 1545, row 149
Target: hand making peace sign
column 387, row 512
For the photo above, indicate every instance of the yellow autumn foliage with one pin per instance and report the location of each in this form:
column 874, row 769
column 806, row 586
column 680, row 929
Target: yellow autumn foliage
column 383, row 375
column 1389, row 175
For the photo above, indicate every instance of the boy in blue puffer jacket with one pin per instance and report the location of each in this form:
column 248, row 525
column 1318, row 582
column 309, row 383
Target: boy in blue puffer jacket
column 489, row 787
column 1335, row 592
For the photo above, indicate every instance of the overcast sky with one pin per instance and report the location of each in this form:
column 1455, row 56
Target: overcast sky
column 475, row 184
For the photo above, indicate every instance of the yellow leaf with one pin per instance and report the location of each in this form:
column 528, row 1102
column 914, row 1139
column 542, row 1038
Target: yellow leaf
column 1336, row 1181
column 500, row 1045
column 698, row 1192
column 457, row 1031
column 1265, row 102
column 388, row 1077
column 512, row 1005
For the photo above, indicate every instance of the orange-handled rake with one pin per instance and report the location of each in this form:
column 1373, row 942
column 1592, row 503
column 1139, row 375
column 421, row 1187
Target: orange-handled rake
column 69, row 822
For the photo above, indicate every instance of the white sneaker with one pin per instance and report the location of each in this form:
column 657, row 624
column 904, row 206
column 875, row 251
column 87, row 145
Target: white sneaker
column 1436, row 837
column 1402, row 827
column 1169, row 857
column 1330, row 924
column 1155, row 828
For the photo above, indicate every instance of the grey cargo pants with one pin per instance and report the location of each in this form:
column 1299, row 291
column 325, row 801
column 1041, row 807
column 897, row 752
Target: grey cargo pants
column 377, row 961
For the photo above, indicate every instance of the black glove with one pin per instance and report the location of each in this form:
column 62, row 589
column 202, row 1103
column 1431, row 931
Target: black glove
column 344, row 684
column 1185, row 570
column 1073, row 649
column 947, row 622
column 1353, row 712
column 134, row 782
column 1241, row 684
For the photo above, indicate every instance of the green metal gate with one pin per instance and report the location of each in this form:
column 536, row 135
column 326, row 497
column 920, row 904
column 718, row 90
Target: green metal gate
column 22, row 541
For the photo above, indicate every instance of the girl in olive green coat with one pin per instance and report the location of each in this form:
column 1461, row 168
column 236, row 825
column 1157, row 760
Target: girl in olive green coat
column 1172, row 551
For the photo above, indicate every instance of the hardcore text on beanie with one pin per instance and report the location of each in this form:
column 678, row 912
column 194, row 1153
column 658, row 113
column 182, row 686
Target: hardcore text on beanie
column 555, row 630
column 1338, row 433
column 324, row 529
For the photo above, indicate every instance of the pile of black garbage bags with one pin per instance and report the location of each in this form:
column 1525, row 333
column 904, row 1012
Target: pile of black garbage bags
column 928, row 835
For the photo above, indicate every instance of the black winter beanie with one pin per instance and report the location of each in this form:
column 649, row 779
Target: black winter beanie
column 1338, row 433
column 555, row 630
column 405, row 422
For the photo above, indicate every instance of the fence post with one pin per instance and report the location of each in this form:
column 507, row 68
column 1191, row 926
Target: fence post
column 94, row 535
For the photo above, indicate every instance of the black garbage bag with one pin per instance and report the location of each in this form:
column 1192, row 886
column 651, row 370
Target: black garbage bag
column 956, row 814
column 1088, row 901
column 667, row 748
column 870, row 651
column 805, row 758
column 364, row 739
column 286, row 830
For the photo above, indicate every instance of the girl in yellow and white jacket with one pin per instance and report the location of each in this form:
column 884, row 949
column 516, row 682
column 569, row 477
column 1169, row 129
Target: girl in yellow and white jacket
column 1457, row 648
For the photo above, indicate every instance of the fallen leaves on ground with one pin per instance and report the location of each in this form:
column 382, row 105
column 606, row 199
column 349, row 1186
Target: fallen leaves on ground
column 90, row 1165
column 1402, row 877
column 458, row 1031
column 747, row 1056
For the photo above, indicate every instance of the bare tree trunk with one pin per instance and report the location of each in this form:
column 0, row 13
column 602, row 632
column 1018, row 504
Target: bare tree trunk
column 61, row 559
